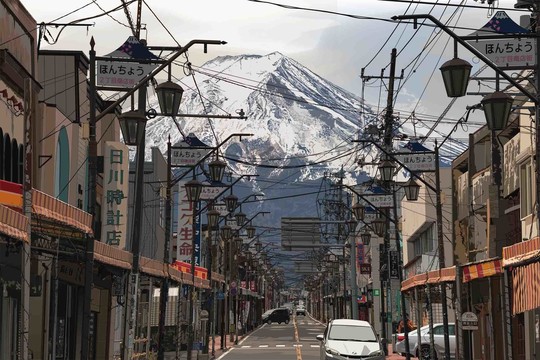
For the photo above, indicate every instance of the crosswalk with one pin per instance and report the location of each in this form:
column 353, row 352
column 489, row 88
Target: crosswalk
column 278, row 346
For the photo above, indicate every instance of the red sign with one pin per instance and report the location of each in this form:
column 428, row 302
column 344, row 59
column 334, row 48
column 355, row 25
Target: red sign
column 11, row 194
column 185, row 267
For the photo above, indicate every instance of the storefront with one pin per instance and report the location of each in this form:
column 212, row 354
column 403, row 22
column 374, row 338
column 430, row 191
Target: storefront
column 522, row 265
column 13, row 234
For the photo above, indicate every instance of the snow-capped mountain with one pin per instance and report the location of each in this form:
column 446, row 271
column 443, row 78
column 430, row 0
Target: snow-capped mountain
column 293, row 114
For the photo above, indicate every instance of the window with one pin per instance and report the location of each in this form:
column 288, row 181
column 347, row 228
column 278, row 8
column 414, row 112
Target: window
column 526, row 189
column 425, row 242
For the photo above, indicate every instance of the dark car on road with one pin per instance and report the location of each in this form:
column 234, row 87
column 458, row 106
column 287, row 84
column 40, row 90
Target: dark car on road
column 280, row 315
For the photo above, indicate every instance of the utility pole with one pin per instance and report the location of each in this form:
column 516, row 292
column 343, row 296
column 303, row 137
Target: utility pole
column 131, row 307
column 164, row 291
column 24, row 318
column 387, row 145
column 91, row 207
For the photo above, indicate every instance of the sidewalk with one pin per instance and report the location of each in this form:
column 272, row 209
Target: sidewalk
column 197, row 354
column 395, row 356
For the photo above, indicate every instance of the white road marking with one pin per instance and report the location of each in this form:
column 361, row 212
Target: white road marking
column 246, row 346
column 263, row 346
column 297, row 345
column 280, row 345
column 315, row 346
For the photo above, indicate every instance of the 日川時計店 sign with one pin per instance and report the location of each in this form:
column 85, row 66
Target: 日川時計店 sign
column 511, row 52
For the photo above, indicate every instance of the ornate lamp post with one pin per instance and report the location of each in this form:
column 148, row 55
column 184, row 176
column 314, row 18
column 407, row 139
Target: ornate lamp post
column 133, row 124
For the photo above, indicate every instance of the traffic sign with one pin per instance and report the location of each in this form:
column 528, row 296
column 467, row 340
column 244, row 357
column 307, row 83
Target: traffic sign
column 469, row 320
column 376, row 292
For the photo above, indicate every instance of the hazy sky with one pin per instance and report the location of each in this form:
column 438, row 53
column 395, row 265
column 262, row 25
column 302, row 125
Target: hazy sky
column 336, row 47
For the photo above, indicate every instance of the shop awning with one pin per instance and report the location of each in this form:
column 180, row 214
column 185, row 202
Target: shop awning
column 54, row 217
column 153, row 267
column 218, row 277
column 525, row 287
column 482, row 269
column 13, row 224
column 448, row 274
column 175, row 274
column 433, row 277
column 412, row 282
column 111, row 255
column 205, row 284
column 522, row 253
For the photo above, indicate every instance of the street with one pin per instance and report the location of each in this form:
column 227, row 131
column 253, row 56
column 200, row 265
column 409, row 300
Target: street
column 295, row 340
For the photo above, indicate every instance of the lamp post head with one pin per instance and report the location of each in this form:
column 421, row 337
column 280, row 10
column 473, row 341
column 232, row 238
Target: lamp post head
column 359, row 211
column 250, row 231
column 366, row 238
column 239, row 241
column 412, row 190
column 379, row 226
column 213, row 218
column 230, row 202
column 456, row 74
column 217, row 170
column 240, row 218
column 258, row 246
column 193, row 190
column 497, row 107
column 169, row 96
column 351, row 224
column 226, row 232
column 387, row 169
column 132, row 125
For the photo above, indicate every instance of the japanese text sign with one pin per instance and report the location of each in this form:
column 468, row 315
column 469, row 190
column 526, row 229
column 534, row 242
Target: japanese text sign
column 507, row 52
column 115, row 192
column 122, row 74
column 185, row 156
column 417, row 161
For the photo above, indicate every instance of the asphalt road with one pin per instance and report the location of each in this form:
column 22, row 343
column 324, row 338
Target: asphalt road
column 293, row 341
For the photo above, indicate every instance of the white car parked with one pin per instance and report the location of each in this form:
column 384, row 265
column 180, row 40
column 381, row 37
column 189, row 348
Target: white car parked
column 350, row 339
column 423, row 351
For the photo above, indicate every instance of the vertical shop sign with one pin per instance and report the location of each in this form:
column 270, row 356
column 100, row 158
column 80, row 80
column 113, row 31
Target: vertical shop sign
column 115, row 191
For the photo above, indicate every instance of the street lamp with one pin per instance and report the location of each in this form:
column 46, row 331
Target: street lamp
column 217, row 169
column 213, row 218
column 351, row 224
column 169, row 96
column 379, row 225
column 258, row 246
column 497, row 107
column 366, row 238
column 387, row 169
column 412, row 190
column 132, row 125
column 230, row 202
column 193, row 190
column 240, row 218
column 455, row 74
column 250, row 230
column 226, row 232
column 359, row 211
